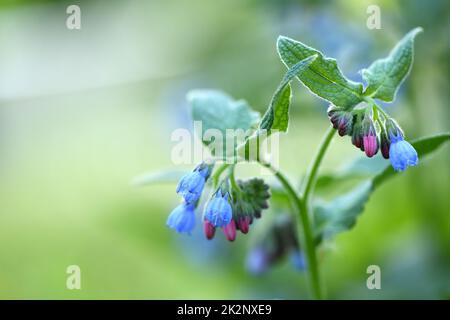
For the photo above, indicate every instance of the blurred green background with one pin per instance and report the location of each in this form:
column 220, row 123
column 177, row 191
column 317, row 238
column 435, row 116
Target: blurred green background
column 83, row 112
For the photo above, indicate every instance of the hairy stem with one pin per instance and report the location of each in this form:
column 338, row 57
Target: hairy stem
column 310, row 178
column 305, row 234
column 306, row 217
column 233, row 182
column 216, row 176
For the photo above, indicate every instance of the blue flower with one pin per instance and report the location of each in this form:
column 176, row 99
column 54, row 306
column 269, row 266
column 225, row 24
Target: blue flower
column 401, row 153
column 182, row 218
column 257, row 261
column 218, row 211
column 192, row 184
column 298, row 260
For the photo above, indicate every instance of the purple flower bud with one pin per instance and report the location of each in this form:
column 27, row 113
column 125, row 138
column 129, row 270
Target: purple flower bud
column 244, row 224
column 342, row 120
column 370, row 140
column 385, row 144
column 230, row 231
column 209, row 229
column 357, row 137
column 370, row 145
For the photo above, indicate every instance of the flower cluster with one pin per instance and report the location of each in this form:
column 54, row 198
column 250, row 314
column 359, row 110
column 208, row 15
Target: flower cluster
column 247, row 201
column 371, row 132
column 229, row 208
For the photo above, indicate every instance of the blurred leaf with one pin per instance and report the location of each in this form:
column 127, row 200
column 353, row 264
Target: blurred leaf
column 323, row 76
column 384, row 76
column 217, row 110
column 341, row 213
column 277, row 115
column 361, row 167
column 166, row 176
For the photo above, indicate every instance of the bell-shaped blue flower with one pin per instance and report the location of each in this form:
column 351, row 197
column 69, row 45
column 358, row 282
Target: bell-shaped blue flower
column 182, row 218
column 401, row 153
column 218, row 210
column 191, row 185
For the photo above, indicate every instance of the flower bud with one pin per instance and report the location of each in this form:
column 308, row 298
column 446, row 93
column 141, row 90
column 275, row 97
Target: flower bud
column 384, row 144
column 209, row 229
column 357, row 136
column 243, row 224
column 370, row 140
column 393, row 129
column 342, row 120
column 230, row 231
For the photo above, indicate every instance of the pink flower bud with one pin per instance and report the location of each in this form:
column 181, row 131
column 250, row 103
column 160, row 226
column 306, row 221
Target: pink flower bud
column 209, row 230
column 244, row 224
column 230, row 231
column 370, row 145
column 370, row 140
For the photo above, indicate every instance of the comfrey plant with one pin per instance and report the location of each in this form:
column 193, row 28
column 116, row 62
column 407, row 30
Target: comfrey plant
column 234, row 205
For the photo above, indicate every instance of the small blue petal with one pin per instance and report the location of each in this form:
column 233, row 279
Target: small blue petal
column 182, row 218
column 402, row 154
column 204, row 171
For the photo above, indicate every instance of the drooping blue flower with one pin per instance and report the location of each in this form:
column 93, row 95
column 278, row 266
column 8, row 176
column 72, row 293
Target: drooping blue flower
column 257, row 261
column 298, row 260
column 218, row 211
column 182, row 218
column 401, row 153
column 191, row 185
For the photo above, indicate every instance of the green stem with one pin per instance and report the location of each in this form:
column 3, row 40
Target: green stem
column 304, row 232
column 233, row 182
column 372, row 102
column 301, row 204
column 315, row 164
column 216, row 176
column 306, row 218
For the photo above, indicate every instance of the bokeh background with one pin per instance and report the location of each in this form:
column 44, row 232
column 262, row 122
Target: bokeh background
column 84, row 112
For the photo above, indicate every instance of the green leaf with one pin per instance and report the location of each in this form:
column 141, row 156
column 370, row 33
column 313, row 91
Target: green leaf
column 384, row 76
column 323, row 76
column 166, row 176
column 277, row 115
column 341, row 213
column 217, row 110
column 361, row 167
